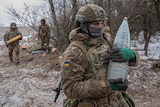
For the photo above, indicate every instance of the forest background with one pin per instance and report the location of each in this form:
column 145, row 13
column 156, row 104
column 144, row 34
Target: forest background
column 143, row 15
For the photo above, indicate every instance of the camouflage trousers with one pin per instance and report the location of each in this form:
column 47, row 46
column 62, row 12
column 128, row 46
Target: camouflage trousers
column 13, row 51
column 45, row 41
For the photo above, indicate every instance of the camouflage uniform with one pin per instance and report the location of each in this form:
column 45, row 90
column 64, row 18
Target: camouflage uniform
column 11, row 33
column 44, row 34
column 84, row 74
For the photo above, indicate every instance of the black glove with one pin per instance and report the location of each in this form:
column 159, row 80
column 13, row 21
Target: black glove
column 118, row 84
column 116, row 55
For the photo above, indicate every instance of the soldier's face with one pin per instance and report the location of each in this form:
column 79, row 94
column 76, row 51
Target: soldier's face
column 97, row 24
column 13, row 26
column 42, row 22
column 95, row 28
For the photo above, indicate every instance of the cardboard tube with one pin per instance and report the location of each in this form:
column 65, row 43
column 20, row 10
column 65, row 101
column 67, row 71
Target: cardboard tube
column 14, row 39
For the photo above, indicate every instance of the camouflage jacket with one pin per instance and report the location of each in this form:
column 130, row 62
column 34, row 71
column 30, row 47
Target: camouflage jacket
column 11, row 34
column 43, row 30
column 84, row 74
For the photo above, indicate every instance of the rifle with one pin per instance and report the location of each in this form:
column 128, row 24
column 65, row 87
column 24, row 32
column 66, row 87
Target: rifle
column 58, row 89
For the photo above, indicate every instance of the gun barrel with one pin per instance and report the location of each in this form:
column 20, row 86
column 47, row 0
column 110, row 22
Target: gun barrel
column 57, row 94
column 58, row 88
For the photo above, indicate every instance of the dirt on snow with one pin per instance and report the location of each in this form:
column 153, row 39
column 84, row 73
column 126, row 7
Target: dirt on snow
column 32, row 82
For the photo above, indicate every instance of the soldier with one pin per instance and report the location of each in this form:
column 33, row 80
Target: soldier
column 44, row 34
column 84, row 64
column 13, row 47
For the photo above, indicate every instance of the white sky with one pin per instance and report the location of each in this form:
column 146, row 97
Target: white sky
column 5, row 19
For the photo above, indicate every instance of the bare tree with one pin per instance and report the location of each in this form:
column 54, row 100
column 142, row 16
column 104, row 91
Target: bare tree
column 148, row 27
column 141, row 17
column 74, row 11
column 28, row 16
column 157, row 6
column 57, row 32
column 69, row 20
column 109, row 12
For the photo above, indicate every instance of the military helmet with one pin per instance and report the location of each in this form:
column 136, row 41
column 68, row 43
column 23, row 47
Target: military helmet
column 42, row 19
column 13, row 24
column 90, row 12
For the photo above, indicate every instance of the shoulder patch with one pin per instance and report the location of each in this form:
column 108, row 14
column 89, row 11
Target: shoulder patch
column 66, row 67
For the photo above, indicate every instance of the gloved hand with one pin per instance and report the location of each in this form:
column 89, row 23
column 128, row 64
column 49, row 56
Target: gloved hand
column 122, row 55
column 118, row 84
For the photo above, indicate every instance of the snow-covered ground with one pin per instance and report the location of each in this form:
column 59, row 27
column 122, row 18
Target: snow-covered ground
column 144, row 79
column 31, row 83
column 153, row 48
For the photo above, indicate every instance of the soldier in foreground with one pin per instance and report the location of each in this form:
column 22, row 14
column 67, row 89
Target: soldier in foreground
column 12, row 33
column 44, row 34
column 85, row 61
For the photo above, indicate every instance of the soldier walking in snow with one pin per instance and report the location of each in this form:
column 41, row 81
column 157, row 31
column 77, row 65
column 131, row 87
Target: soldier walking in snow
column 13, row 46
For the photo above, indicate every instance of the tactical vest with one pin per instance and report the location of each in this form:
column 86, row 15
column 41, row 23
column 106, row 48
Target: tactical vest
column 11, row 34
column 97, row 56
column 44, row 29
column 97, row 52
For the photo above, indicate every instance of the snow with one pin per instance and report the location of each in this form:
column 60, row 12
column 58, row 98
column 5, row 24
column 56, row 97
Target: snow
column 27, row 37
column 153, row 48
column 31, row 83
column 144, row 80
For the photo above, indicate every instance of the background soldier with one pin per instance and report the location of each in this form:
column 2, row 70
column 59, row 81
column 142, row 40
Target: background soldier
column 85, row 61
column 44, row 34
column 13, row 47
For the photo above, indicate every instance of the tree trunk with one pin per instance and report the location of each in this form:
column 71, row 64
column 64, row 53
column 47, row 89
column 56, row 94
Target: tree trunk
column 157, row 4
column 57, row 32
column 147, row 36
column 74, row 11
column 109, row 13
column 147, row 26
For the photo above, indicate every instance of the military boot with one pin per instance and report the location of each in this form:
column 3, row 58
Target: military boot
column 17, row 61
column 11, row 58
